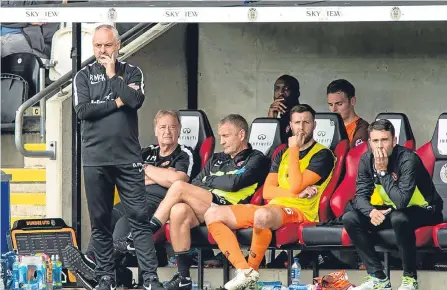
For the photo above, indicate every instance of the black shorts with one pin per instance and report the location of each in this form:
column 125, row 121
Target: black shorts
column 219, row 200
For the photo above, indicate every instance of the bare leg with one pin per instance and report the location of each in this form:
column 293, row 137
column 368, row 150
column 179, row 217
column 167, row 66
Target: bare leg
column 182, row 219
column 268, row 218
column 197, row 198
column 222, row 214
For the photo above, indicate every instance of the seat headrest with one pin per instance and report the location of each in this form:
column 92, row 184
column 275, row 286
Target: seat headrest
column 195, row 128
column 402, row 127
column 14, row 90
column 265, row 135
column 439, row 139
column 20, row 59
column 330, row 129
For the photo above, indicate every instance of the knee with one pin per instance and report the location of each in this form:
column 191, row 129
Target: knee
column 180, row 213
column 398, row 218
column 263, row 218
column 99, row 217
column 176, row 189
column 139, row 213
column 213, row 214
column 350, row 218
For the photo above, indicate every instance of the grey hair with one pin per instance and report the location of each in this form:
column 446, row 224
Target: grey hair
column 236, row 120
column 116, row 34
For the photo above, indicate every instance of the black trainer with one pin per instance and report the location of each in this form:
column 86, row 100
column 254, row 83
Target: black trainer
column 84, row 282
column 153, row 284
column 106, row 283
column 178, row 282
column 80, row 263
column 124, row 245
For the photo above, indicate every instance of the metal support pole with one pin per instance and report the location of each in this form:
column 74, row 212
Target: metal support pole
column 43, row 105
column 200, row 269
column 192, row 64
column 76, row 138
column 289, row 266
column 386, row 258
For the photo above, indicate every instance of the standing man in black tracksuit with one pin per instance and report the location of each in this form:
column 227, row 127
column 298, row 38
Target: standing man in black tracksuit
column 107, row 95
column 393, row 190
column 229, row 177
column 164, row 164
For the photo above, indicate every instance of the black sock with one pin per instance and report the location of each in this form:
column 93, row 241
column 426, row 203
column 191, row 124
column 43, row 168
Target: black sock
column 379, row 275
column 184, row 263
column 155, row 224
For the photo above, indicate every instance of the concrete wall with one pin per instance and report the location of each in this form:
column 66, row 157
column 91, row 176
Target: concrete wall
column 394, row 66
column 10, row 156
column 164, row 68
column 59, row 171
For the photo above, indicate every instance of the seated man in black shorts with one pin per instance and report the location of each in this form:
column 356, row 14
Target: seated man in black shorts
column 164, row 164
column 230, row 177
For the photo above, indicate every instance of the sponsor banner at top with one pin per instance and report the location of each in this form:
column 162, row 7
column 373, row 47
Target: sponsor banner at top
column 225, row 14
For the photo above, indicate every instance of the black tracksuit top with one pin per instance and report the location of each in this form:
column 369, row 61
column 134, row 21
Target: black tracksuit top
column 109, row 134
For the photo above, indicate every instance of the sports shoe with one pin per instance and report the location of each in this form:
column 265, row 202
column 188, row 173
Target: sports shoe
column 124, row 245
column 408, row 283
column 84, row 282
column 245, row 278
column 80, row 263
column 106, row 283
column 373, row 283
column 178, row 282
column 153, row 284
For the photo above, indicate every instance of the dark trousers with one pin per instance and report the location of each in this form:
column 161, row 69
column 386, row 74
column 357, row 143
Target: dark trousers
column 99, row 187
column 121, row 228
column 404, row 222
column 118, row 212
column 122, row 225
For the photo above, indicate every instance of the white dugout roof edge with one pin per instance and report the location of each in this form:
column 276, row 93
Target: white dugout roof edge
column 231, row 12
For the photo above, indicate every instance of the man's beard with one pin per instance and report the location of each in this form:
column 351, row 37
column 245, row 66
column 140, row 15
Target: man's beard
column 308, row 138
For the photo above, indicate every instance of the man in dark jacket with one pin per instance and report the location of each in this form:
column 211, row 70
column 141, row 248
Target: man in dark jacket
column 32, row 38
column 229, row 177
column 286, row 93
column 393, row 191
column 107, row 95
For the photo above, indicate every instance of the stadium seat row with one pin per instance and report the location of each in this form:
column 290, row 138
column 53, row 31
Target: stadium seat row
column 330, row 131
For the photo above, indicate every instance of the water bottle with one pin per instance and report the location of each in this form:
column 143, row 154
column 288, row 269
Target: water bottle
column 296, row 272
column 23, row 274
column 53, row 272
column 57, row 270
column 16, row 274
column 42, row 276
column 2, row 283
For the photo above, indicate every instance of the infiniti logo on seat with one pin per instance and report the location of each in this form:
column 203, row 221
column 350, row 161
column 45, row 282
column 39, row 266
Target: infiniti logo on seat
column 321, row 133
column 186, row 130
column 261, row 137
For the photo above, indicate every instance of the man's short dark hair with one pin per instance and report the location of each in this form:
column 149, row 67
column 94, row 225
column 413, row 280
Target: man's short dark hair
column 237, row 121
column 293, row 83
column 341, row 86
column 381, row 125
column 301, row 109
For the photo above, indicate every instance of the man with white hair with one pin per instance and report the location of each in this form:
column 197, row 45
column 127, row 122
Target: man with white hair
column 107, row 95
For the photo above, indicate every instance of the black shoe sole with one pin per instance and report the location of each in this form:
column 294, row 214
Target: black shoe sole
column 82, row 282
column 74, row 262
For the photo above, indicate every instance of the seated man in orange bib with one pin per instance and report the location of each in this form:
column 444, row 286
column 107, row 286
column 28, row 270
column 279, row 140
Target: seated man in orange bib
column 297, row 178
